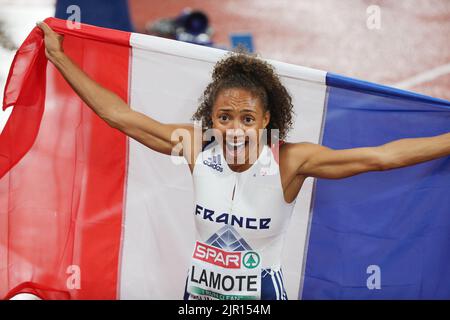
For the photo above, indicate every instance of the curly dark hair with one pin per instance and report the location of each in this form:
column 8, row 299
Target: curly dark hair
column 240, row 69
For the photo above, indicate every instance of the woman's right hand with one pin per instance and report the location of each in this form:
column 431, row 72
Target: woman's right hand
column 52, row 40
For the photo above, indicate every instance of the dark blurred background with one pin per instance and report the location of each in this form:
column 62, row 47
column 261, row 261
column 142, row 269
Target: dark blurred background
column 410, row 48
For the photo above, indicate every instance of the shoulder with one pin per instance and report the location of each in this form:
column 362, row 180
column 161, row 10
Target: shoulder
column 201, row 146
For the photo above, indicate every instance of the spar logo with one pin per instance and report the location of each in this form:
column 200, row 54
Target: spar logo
column 216, row 256
column 251, row 260
column 225, row 259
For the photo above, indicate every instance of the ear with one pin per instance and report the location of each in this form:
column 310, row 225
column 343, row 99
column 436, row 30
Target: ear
column 266, row 119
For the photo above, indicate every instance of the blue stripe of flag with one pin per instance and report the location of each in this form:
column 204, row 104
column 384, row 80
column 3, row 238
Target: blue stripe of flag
column 397, row 220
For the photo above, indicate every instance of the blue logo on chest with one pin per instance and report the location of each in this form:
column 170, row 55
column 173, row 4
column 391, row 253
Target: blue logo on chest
column 214, row 162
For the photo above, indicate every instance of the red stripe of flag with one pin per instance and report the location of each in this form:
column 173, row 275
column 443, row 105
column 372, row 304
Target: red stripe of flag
column 62, row 171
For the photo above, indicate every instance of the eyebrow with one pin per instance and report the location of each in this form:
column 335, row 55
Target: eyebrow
column 243, row 110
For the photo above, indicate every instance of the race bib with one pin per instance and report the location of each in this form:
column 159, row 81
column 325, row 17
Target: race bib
column 224, row 275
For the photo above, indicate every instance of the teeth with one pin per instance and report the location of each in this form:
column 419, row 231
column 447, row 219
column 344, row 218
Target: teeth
column 235, row 144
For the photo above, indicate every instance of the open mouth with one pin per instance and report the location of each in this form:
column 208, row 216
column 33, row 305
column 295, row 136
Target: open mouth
column 235, row 149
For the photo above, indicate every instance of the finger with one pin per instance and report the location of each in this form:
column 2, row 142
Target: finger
column 44, row 27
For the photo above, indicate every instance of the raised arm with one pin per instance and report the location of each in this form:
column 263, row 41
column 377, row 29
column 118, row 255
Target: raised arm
column 111, row 108
column 322, row 162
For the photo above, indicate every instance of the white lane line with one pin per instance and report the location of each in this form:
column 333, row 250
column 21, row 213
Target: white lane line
column 423, row 77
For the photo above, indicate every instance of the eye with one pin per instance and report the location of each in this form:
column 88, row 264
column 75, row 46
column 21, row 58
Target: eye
column 248, row 120
column 223, row 117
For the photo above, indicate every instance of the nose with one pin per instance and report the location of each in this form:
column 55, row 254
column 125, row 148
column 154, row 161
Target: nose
column 237, row 124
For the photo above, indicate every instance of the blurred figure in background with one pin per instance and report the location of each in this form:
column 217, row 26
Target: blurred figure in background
column 190, row 26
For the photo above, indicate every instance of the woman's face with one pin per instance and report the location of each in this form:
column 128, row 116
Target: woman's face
column 239, row 117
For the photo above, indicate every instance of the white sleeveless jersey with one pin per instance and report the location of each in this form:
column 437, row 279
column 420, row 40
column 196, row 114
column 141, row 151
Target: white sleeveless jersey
column 241, row 221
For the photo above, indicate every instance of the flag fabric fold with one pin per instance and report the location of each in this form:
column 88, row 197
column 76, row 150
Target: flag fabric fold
column 87, row 213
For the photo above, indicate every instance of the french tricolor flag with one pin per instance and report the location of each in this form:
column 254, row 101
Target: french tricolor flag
column 87, row 213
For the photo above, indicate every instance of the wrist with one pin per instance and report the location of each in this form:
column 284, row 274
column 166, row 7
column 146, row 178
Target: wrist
column 56, row 57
